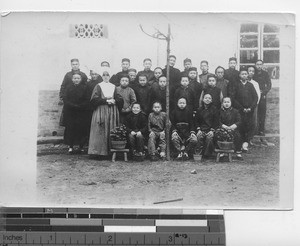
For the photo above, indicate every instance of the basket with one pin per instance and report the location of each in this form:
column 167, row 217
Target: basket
column 225, row 145
column 121, row 144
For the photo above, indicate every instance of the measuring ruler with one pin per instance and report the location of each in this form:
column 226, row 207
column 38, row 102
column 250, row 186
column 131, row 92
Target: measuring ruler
column 85, row 226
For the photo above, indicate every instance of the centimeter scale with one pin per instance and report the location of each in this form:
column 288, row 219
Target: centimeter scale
column 37, row 226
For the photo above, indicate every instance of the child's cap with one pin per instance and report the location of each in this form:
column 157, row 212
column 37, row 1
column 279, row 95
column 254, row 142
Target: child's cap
column 74, row 60
column 132, row 70
column 147, row 59
column 218, row 68
column 211, row 76
column 232, row 59
column 105, row 62
column 243, row 68
column 125, row 60
column 187, row 60
column 192, row 69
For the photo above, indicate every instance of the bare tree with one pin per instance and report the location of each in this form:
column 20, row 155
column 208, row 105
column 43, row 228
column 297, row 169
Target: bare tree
column 159, row 35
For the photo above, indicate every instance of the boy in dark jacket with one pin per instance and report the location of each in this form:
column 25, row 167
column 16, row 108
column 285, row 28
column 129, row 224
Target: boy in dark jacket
column 230, row 121
column 183, row 131
column 207, row 121
column 147, row 63
column 156, row 126
column 157, row 73
column 158, row 93
column 245, row 100
column 136, row 123
column 213, row 90
column 142, row 93
column 195, row 86
column 185, row 91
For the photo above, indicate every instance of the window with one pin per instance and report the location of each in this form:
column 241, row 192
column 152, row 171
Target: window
column 88, row 31
column 260, row 41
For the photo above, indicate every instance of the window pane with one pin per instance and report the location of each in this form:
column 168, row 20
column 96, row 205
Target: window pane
column 248, row 56
column 271, row 41
column 249, row 28
column 249, row 41
column 273, row 71
column 271, row 56
column 271, row 28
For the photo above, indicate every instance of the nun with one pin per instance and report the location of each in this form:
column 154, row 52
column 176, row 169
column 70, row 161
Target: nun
column 106, row 104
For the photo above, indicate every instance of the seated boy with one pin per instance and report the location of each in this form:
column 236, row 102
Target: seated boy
column 185, row 91
column 156, row 126
column 213, row 90
column 183, row 136
column 142, row 93
column 207, row 121
column 147, row 63
column 128, row 96
column 230, row 121
column 158, row 93
column 136, row 123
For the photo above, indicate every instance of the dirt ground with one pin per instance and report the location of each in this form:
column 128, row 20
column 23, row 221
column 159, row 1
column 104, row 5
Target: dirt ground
column 77, row 180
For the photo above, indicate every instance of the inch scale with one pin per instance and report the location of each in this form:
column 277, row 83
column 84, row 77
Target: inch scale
column 102, row 227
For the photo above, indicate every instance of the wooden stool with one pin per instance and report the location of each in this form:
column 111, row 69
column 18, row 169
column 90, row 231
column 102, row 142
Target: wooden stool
column 114, row 153
column 223, row 151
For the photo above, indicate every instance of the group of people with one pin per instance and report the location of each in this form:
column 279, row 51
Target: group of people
column 230, row 99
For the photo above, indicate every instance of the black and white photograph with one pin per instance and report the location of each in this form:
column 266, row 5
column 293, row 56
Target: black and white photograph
column 149, row 109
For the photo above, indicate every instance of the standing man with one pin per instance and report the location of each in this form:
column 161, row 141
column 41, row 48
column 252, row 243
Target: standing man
column 263, row 79
column 187, row 63
column 175, row 78
column 232, row 75
column 115, row 79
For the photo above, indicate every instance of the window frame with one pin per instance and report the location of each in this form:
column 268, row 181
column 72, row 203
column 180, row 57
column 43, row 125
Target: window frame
column 260, row 48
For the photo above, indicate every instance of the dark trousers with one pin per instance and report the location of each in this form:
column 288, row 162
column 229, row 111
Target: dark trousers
column 136, row 142
column 247, row 126
column 261, row 114
column 205, row 144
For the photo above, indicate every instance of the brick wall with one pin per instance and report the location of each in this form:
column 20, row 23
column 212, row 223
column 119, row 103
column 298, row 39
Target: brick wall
column 50, row 111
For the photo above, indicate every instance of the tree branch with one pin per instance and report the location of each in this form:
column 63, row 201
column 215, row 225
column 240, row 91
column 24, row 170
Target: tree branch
column 153, row 36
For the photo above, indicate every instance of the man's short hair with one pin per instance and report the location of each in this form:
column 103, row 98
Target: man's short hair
column 192, row 69
column 232, row 59
column 104, row 63
column 259, row 60
column 143, row 75
column 204, row 61
column 172, row 56
column 74, row 60
column 125, row 60
column 131, row 70
column 243, row 68
column 218, row 68
column 187, row 60
column 147, row 59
